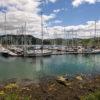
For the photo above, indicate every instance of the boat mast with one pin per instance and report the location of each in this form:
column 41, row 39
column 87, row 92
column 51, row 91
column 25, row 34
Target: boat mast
column 77, row 39
column 25, row 40
column 25, row 47
column 5, row 22
column 16, row 42
column 72, row 39
column 95, row 27
column 1, row 40
column 64, row 25
column 42, row 30
column 97, row 36
column 94, row 31
column 68, row 40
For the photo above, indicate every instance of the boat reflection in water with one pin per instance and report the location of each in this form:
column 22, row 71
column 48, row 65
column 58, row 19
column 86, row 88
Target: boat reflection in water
column 34, row 68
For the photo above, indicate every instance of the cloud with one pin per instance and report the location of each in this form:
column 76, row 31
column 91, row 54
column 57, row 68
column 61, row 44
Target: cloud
column 86, row 30
column 59, row 10
column 20, row 11
column 57, row 21
column 53, row 1
column 48, row 17
column 76, row 3
column 56, row 10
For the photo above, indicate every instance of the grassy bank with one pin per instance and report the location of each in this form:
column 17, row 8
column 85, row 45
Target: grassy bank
column 92, row 96
column 57, row 88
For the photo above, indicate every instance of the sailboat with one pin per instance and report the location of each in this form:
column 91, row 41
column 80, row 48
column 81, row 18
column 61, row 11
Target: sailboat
column 4, row 51
column 42, row 51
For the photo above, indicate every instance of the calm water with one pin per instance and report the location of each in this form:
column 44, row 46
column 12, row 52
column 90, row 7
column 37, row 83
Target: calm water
column 33, row 68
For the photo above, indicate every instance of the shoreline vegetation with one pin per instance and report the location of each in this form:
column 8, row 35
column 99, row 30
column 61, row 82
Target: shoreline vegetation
column 10, row 39
column 78, row 87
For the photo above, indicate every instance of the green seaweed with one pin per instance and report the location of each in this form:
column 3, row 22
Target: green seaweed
column 92, row 96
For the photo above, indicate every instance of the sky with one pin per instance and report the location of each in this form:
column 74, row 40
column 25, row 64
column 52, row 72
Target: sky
column 58, row 15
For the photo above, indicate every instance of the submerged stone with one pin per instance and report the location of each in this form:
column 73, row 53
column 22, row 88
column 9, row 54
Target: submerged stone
column 62, row 81
column 61, row 78
column 79, row 78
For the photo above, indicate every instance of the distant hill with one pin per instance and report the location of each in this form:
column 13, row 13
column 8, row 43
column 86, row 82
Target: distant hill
column 19, row 39
column 29, row 39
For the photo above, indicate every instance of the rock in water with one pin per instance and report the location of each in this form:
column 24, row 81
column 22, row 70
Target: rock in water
column 62, row 80
column 79, row 78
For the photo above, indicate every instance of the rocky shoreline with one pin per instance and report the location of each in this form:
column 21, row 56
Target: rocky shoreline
column 50, row 88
